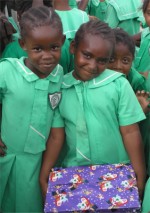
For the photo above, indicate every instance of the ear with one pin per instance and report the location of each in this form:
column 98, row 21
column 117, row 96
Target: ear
column 22, row 44
column 63, row 39
column 72, row 47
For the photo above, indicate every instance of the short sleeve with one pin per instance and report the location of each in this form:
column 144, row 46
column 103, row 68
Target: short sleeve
column 57, row 120
column 2, row 79
column 129, row 109
column 111, row 17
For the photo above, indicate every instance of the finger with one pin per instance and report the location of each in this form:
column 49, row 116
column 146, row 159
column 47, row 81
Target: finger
column 2, row 153
column 3, row 145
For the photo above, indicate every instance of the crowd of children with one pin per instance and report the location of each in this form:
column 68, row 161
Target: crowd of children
column 69, row 75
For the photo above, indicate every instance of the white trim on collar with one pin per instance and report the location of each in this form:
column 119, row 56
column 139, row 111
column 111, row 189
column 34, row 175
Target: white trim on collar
column 105, row 79
column 28, row 73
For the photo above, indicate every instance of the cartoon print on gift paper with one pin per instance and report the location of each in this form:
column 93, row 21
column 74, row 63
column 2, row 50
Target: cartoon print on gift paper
column 85, row 204
column 105, row 185
column 55, row 175
column 108, row 177
column 76, row 181
column 116, row 202
column 60, row 197
column 130, row 183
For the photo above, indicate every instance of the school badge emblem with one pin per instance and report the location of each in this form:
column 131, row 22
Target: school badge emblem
column 55, row 99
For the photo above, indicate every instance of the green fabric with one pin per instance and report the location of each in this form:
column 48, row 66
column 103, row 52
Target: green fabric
column 126, row 10
column 73, row 3
column 142, row 59
column 71, row 20
column 123, row 15
column 13, row 50
column 97, row 8
column 16, row 35
column 146, row 201
column 26, row 121
column 99, row 107
column 136, row 80
column 66, row 60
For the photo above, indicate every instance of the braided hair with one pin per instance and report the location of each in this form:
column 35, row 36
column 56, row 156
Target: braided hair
column 23, row 5
column 145, row 5
column 37, row 17
column 124, row 38
column 95, row 27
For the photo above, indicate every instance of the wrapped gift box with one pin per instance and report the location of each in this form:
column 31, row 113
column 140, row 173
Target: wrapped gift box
column 99, row 188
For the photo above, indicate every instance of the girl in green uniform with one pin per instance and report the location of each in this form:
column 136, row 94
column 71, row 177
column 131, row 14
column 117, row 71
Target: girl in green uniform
column 29, row 93
column 125, row 15
column 142, row 59
column 121, row 61
column 99, row 109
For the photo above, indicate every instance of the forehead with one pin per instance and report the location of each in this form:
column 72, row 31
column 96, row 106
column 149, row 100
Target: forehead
column 122, row 50
column 148, row 7
column 43, row 34
column 96, row 44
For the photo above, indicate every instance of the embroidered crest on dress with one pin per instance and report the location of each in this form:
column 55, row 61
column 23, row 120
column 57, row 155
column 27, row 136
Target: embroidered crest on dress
column 55, row 99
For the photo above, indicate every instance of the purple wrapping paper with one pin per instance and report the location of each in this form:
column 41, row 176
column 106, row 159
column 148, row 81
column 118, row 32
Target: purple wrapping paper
column 99, row 188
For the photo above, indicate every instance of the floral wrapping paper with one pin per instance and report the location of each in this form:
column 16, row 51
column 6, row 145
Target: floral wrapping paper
column 97, row 188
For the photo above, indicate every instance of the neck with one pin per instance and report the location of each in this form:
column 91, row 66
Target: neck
column 61, row 5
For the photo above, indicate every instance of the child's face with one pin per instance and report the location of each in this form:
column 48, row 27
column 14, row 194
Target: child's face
column 90, row 57
column 121, row 60
column 43, row 45
column 147, row 15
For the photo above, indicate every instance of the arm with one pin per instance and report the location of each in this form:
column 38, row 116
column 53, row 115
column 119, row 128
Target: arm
column 82, row 4
column 2, row 145
column 134, row 147
column 137, row 39
column 50, row 156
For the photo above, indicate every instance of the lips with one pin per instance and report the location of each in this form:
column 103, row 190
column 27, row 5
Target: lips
column 48, row 65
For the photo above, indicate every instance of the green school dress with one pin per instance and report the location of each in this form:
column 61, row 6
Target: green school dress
column 125, row 15
column 142, row 59
column 13, row 50
column 97, row 8
column 71, row 20
column 146, row 201
column 27, row 117
column 73, row 3
column 92, row 112
column 16, row 35
column 142, row 64
column 136, row 80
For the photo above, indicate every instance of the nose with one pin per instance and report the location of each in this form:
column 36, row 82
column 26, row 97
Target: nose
column 47, row 55
column 117, row 65
column 93, row 65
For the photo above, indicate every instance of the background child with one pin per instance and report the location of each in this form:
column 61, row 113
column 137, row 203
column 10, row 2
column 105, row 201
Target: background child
column 142, row 59
column 27, row 112
column 125, row 15
column 121, row 61
column 99, row 109
column 6, row 32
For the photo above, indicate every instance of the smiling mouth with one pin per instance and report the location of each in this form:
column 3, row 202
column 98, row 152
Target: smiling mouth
column 46, row 65
column 91, row 72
